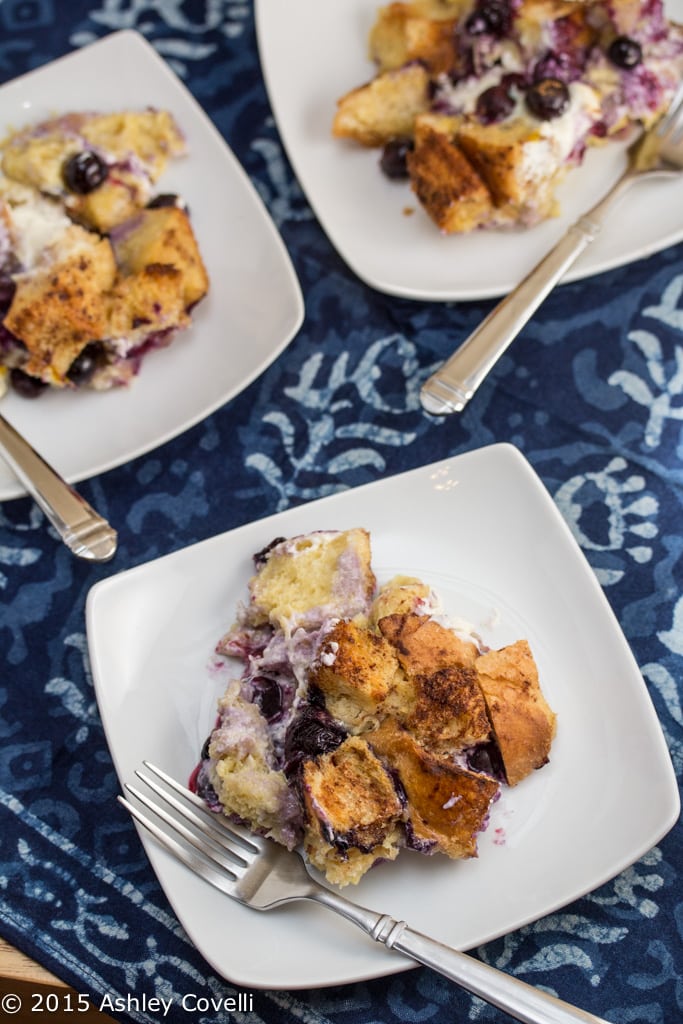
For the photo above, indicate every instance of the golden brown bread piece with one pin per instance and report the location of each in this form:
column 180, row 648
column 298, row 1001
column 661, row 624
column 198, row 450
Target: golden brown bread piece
column 440, row 703
column 162, row 237
column 352, row 811
column 57, row 310
column 446, row 711
column 400, row 595
column 385, row 108
column 150, row 300
column 356, row 671
column 523, row 723
column 403, row 32
column 301, row 582
column 85, row 290
column 424, row 646
column 446, row 183
column 500, row 153
column 446, row 805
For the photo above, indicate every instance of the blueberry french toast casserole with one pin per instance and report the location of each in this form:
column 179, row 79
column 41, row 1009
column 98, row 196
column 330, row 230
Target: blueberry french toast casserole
column 97, row 268
column 485, row 105
column 361, row 721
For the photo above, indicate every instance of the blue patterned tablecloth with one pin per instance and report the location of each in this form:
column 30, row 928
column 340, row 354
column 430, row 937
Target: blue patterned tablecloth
column 591, row 394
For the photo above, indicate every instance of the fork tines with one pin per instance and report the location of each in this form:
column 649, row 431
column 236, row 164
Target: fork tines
column 217, row 844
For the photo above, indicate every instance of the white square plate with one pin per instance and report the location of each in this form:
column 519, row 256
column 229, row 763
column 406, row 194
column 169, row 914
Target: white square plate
column 484, row 532
column 235, row 333
column 364, row 214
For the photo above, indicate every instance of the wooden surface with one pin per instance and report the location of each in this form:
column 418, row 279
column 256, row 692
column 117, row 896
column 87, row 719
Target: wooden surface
column 14, row 964
column 36, row 992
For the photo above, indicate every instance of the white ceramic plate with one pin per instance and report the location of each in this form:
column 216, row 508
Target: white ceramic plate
column 235, row 333
column 364, row 214
column 580, row 820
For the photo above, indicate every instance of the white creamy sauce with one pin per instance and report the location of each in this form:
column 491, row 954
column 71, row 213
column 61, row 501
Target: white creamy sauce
column 38, row 226
column 462, row 96
column 559, row 136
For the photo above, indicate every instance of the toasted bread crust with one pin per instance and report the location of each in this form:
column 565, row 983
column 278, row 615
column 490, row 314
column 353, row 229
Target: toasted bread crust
column 446, row 182
column 423, row 646
column 383, row 109
column 145, row 282
column 163, row 237
column 447, row 806
column 403, row 33
column 356, row 672
column 58, row 310
column 523, row 723
column 352, row 811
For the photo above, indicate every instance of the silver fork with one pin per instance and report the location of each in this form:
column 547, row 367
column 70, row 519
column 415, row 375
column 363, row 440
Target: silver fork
column 261, row 874
column 81, row 528
column 656, row 153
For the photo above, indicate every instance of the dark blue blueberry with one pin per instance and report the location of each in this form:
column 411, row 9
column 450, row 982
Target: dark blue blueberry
column 90, row 359
column 7, row 290
column 494, row 104
column 548, row 99
column 25, row 385
column 394, row 159
column 490, row 17
column 84, row 172
column 486, row 758
column 625, row 52
column 313, row 732
column 267, row 697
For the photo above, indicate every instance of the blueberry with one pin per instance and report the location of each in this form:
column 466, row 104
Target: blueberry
column 394, row 162
column 490, row 17
column 494, row 104
column 476, row 24
column 84, row 172
column 548, row 98
column 25, row 385
column 625, row 52
column 312, row 733
column 486, row 758
column 267, row 697
column 7, row 289
column 89, row 359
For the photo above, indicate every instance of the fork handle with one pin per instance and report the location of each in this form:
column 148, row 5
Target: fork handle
column 520, row 1000
column 81, row 528
column 451, row 387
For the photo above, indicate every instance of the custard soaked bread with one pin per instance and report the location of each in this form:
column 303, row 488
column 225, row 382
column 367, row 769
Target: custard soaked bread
column 484, row 105
column 102, row 167
column 95, row 269
column 361, row 723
